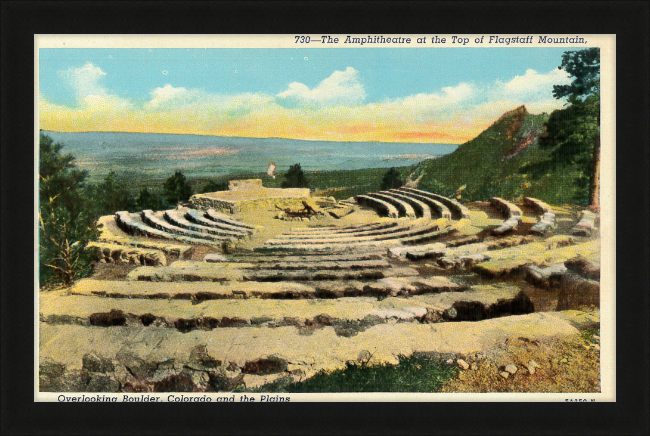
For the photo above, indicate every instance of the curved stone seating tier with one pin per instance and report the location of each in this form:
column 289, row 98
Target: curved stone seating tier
column 380, row 206
column 546, row 222
column 457, row 210
column 347, row 229
column 175, row 218
column 505, row 207
column 427, row 236
column 423, row 235
column 197, row 218
column 404, row 209
column 200, row 291
column 111, row 233
column 307, row 258
column 113, row 253
column 322, row 265
column 586, row 224
column 148, row 217
column 400, row 233
column 539, row 205
column 437, row 295
column 501, row 263
column 509, row 225
column 136, row 227
column 421, row 209
column 434, row 205
column 545, row 277
column 310, row 275
column 219, row 217
column 332, row 235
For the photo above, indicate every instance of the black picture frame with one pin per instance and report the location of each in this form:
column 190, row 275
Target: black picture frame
column 628, row 20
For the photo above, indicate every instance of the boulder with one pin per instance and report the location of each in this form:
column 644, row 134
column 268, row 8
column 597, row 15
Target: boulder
column 214, row 257
column 94, row 362
column 102, row 383
column 584, row 267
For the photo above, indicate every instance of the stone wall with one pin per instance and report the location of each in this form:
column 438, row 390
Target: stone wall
column 250, row 195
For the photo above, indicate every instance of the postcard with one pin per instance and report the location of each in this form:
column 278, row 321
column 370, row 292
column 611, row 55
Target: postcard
column 288, row 218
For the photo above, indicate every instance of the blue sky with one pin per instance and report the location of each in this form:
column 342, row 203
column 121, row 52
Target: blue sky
column 254, row 85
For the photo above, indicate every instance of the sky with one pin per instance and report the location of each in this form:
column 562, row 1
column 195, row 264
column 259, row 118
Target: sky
column 427, row 95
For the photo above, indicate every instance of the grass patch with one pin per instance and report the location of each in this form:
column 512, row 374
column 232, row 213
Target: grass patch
column 589, row 333
column 411, row 374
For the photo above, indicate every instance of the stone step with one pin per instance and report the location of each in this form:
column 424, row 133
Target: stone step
column 115, row 253
column 346, row 229
column 341, row 211
column 310, row 275
column 545, row 277
column 404, row 208
column 578, row 291
column 510, row 260
column 306, row 258
column 473, row 305
column 111, row 233
column 458, row 211
column 508, row 226
column 151, row 219
column 199, row 291
column 436, row 208
column 421, row 209
column 338, row 235
column 545, row 223
column 429, row 233
column 468, row 255
column 142, row 358
column 508, row 209
column 418, row 228
column 323, row 265
column 539, row 205
column 586, row 224
column 198, row 218
column 203, row 271
column 221, row 218
column 135, row 226
column 417, row 252
column 176, row 219
column 314, row 264
column 381, row 207
column 228, row 272
column 585, row 267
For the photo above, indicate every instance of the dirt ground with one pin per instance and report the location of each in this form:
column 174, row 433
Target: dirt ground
column 563, row 365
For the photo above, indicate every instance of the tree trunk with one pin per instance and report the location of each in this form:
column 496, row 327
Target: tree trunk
column 594, row 181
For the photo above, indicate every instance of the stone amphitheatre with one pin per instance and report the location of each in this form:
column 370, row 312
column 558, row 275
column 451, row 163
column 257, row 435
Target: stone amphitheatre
column 251, row 285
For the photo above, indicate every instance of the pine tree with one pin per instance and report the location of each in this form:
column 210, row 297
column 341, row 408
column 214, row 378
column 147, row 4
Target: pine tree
column 148, row 200
column 295, row 177
column 391, row 180
column 177, row 189
column 65, row 225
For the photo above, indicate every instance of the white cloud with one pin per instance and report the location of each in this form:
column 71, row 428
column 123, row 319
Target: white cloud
column 533, row 83
column 85, row 80
column 342, row 87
